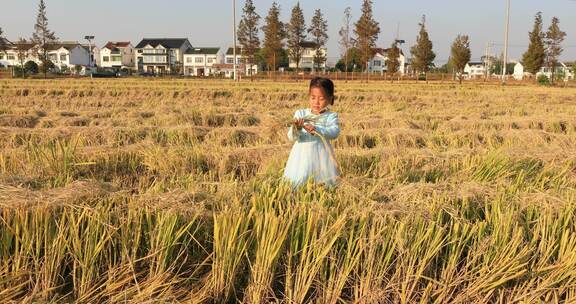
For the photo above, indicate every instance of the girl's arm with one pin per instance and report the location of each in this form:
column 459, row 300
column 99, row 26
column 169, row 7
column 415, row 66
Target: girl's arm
column 331, row 129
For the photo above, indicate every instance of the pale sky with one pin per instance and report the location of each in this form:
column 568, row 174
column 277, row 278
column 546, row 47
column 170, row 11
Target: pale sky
column 208, row 23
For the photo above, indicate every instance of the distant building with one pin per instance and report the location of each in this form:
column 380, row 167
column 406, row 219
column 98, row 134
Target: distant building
column 308, row 54
column 562, row 71
column 378, row 62
column 160, row 56
column 243, row 68
column 117, row 55
column 201, row 61
column 10, row 53
column 69, row 54
column 475, row 70
column 519, row 73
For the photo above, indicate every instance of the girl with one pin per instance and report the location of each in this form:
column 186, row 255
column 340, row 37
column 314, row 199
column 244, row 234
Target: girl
column 312, row 156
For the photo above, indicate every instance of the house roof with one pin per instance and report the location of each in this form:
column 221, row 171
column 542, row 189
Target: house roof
column 203, row 51
column 116, row 45
column 230, row 51
column 309, row 44
column 5, row 44
column 384, row 51
column 171, row 43
column 475, row 63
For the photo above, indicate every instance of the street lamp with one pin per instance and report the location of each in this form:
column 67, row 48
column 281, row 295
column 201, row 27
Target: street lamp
column 89, row 38
column 234, row 37
column 504, row 63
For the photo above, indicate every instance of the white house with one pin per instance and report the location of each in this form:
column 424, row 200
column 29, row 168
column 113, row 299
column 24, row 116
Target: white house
column 378, row 62
column 308, row 54
column 67, row 55
column 165, row 55
column 519, row 73
column 227, row 68
column 201, row 61
column 561, row 70
column 117, row 55
column 10, row 53
column 475, row 70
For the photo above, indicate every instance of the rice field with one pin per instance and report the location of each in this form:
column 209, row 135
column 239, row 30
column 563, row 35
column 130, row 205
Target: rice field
column 147, row 191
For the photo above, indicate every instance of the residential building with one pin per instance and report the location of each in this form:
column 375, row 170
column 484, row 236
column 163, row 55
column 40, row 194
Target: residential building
column 378, row 62
column 562, row 71
column 475, row 70
column 227, row 68
column 519, row 73
column 160, row 56
column 201, row 61
column 308, row 54
column 117, row 55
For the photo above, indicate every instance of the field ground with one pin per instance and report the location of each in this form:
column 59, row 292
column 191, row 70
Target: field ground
column 168, row 190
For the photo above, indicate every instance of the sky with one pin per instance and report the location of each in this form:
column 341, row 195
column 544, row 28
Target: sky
column 209, row 23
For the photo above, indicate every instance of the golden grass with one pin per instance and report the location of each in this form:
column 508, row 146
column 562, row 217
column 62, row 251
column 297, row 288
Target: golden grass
column 143, row 190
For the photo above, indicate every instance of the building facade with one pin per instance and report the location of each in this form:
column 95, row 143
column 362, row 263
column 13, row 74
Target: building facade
column 378, row 62
column 117, row 55
column 310, row 50
column 161, row 56
column 201, row 61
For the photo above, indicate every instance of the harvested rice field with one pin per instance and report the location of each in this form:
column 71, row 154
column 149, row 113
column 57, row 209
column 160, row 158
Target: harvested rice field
column 148, row 190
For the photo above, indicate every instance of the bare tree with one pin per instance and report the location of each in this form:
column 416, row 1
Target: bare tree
column 346, row 40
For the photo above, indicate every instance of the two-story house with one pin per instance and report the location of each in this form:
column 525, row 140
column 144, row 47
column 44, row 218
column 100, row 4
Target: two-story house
column 475, row 70
column 561, row 71
column 378, row 62
column 161, row 56
column 201, row 61
column 227, row 67
column 67, row 55
column 117, row 55
column 309, row 51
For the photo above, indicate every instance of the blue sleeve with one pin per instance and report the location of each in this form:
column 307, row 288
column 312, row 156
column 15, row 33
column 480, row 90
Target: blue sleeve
column 331, row 129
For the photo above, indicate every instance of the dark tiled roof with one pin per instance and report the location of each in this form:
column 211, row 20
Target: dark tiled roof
column 309, row 44
column 202, row 51
column 238, row 51
column 170, row 43
column 5, row 44
column 115, row 45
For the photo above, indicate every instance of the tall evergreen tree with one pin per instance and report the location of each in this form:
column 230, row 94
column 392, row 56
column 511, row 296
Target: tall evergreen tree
column 346, row 40
column 366, row 30
column 535, row 56
column 319, row 33
column 43, row 37
column 3, row 45
column 393, row 62
column 554, row 39
column 248, row 33
column 422, row 54
column 460, row 54
column 296, row 34
column 274, row 35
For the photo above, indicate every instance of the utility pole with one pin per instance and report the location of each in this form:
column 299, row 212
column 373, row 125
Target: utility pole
column 234, row 31
column 89, row 38
column 505, row 61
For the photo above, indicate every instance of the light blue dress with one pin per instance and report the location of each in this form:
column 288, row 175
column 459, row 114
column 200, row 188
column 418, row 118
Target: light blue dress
column 309, row 157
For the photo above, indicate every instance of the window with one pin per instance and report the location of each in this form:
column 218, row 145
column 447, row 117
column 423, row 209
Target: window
column 377, row 63
column 241, row 60
column 161, row 59
column 63, row 57
column 139, row 51
column 52, row 57
column 1, row 56
column 106, row 58
column 116, row 58
column 210, row 60
column 199, row 60
column 11, row 57
column 230, row 60
column 188, row 59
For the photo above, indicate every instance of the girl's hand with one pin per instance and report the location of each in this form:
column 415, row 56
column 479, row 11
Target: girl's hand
column 298, row 123
column 310, row 129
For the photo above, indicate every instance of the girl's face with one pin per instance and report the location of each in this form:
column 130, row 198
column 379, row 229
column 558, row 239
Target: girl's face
column 318, row 100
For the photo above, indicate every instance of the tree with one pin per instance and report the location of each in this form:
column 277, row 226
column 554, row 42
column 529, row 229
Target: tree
column 31, row 67
column 554, row 39
column 296, row 34
column 535, row 56
column 274, row 34
column 460, row 54
column 248, row 33
column 22, row 48
column 319, row 32
column 3, row 45
column 366, row 30
column 393, row 62
column 350, row 61
column 422, row 54
column 346, row 40
column 43, row 37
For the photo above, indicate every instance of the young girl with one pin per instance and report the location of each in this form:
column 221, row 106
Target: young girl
column 312, row 156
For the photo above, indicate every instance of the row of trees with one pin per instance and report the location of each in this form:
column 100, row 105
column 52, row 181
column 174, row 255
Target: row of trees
column 277, row 34
column 42, row 38
column 544, row 49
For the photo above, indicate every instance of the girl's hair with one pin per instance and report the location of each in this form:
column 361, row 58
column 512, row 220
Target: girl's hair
column 325, row 85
